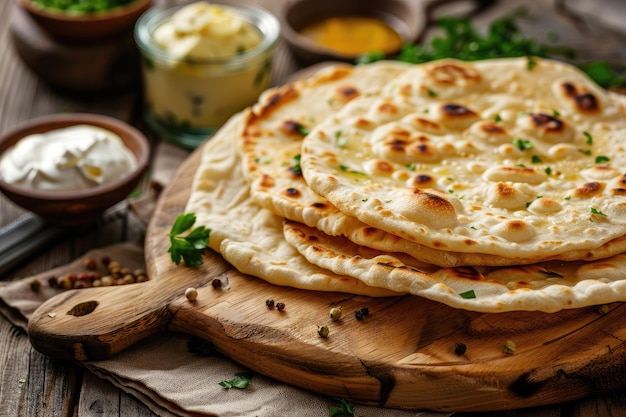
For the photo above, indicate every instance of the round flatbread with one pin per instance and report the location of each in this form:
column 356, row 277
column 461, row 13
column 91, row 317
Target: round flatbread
column 273, row 130
column 547, row 287
column 248, row 236
column 515, row 158
column 271, row 143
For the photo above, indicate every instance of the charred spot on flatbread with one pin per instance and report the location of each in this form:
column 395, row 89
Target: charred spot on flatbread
column 588, row 190
column 345, row 93
column 583, row 100
column 453, row 74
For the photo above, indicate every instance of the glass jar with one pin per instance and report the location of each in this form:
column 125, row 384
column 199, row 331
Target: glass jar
column 187, row 99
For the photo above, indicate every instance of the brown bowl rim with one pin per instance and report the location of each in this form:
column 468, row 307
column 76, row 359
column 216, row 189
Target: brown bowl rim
column 51, row 122
column 293, row 37
column 107, row 15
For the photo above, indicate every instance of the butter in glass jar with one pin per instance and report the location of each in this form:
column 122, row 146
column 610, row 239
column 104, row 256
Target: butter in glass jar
column 202, row 63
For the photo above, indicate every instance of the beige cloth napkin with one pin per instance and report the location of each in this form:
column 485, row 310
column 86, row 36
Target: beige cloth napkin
column 161, row 371
column 165, row 375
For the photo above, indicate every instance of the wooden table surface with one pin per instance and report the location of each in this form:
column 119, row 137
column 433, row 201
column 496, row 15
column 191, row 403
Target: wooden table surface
column 32, row 384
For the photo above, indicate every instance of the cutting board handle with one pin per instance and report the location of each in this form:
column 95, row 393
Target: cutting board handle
column 95, row 323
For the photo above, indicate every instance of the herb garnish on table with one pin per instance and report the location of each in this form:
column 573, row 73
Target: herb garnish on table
column 502, row 39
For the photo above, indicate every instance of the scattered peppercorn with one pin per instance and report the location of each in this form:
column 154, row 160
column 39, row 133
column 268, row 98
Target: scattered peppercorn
column 116, row 275
column 269, row 303
column 90, row 263
column 81, row 284
column 280, row 306
column 216, row 283
column 335, row 313
column 35, row 285
column 323, row 331
column 191, row 294
column 362, row 313
column 459, row 349
column 128, row 279
column 113, row 265
column 509, row 347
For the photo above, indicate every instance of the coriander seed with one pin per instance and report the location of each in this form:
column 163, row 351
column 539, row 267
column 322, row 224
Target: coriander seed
column 128, row 279
column 191, row 294
column 106, row 281
column 335, row 313
column 323, row 331
column 90, row 263
column 65, row 282
column 509, row 347
column 113, row 265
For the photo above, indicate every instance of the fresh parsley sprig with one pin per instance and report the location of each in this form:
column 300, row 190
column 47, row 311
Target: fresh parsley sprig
column 191, row 246
column 503, row 38
column 240, row 381
column 345, row 410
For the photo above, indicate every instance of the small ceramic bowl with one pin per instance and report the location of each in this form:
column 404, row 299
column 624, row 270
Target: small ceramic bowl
column 82, row 206
column 407, row 21
column 86, row 27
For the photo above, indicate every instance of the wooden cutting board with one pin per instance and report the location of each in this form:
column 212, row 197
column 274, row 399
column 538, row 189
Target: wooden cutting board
column 401, row 355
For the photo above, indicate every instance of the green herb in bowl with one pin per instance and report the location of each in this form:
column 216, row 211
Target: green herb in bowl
column 82, row 6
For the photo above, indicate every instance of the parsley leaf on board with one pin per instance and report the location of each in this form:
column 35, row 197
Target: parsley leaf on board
column 191, row 246
column 240, row 381
column 346, row 410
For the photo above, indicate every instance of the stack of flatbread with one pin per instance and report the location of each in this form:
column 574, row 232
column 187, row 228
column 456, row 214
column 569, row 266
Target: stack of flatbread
column 491, row 186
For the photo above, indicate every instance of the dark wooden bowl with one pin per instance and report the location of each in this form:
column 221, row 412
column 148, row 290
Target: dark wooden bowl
column 405, row 19
column 86, row 27
column 81, row 206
